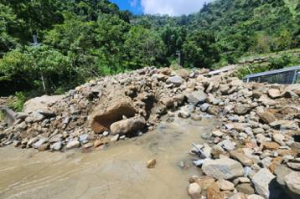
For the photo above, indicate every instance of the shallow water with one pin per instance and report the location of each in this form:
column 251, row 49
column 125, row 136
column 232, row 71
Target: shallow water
column 117, row 172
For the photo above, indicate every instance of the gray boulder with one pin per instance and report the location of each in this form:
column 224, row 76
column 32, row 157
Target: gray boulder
column 224, row 168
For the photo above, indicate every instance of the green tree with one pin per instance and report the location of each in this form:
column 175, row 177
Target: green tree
column 144, row 47
column 201, row 50
column 39, row 67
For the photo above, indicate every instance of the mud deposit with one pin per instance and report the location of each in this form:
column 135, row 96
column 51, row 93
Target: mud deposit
column 119, row 171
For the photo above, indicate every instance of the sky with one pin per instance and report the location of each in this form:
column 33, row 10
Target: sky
column 169, row 7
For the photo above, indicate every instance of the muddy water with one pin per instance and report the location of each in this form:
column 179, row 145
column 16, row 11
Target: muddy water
column 117, row 172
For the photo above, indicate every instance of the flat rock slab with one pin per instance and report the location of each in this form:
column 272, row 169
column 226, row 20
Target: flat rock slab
column 224, row 168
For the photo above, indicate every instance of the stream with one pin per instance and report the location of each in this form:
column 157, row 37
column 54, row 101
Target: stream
column 119, row 171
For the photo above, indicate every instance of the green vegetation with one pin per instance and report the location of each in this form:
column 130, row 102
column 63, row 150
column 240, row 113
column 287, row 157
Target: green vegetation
column 270, row 63
column 82, row 39
column 17, row 103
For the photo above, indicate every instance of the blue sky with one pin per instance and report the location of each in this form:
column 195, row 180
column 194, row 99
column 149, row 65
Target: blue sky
column 128, row 5
column 169, row 7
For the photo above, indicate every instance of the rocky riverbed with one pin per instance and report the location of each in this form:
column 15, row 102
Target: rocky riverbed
column 252, row 153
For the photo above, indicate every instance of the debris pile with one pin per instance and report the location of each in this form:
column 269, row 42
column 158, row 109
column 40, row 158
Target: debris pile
column 254, row 151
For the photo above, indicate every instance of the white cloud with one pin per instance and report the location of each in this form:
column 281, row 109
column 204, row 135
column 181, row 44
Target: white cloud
column 133, row 3
column 172, row 7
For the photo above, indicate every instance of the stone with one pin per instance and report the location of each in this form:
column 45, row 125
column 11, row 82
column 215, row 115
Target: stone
column 197, row 97
column 294, row 165
column 56, row 146
column 175, row 80
column 41, row 103
column 274, row 93
column 225, row 185
column 238, row 196
column 241, row 158
column 267, row 117
column 151, row 164
column 271, row 145
column 261, row 181
column 56, row 138
column 245, row 188
column 39, row 143
column 194, row 190
column 73, row 144
column 228, row 145
column 128, row 125
column 102, row 119
column 241, row 109
column 84, row 138
column 204, row 107
column 205, row 182
column 292, row 181
column 32, row 141
column 44, row 147
column 223, row 168
column 254, row 196
column 213, row 192
column 279, row 138
column 217, row 133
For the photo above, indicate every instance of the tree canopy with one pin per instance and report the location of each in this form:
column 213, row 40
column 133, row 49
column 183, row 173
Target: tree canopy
column 79, row 39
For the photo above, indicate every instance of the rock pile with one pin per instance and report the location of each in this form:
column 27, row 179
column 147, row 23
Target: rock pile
column 99, row 112
column 255, row 152
column 259, row 132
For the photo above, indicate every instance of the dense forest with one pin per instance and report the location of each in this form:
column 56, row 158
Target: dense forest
column 49, row 46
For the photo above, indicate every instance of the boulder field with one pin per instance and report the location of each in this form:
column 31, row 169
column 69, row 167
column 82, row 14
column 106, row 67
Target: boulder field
column 253, row 154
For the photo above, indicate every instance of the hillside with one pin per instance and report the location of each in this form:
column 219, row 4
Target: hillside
column 61, row 44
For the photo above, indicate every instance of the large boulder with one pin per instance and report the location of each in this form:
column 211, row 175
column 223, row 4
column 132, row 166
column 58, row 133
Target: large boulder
column 127, row 125
column 101, row 119
column 41, row 103
column 197, row 97
column 262, row 181
column 292, row 181
column 224, row 168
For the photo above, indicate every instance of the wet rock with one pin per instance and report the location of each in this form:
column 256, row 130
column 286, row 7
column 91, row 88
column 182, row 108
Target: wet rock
column 39, row 143
column 44, row 147
column 224, row 168
column 261, row 181
column 73, row 144
column 128, row 125
column 197, row 97
column 151, row 164
column 56, row 146
column 194, row 191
